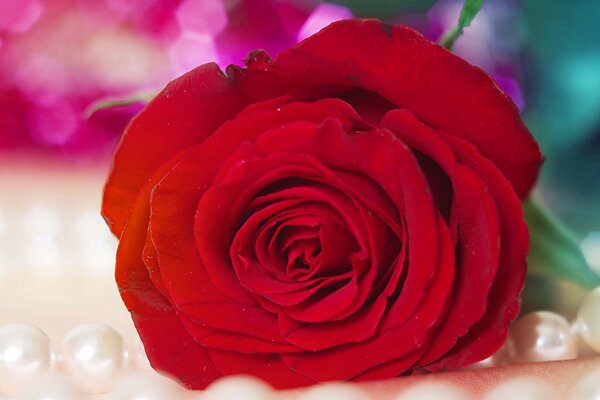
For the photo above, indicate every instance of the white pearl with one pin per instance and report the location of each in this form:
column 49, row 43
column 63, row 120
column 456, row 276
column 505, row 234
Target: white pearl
column 583, row 348
column 53, row 386
column 147, row 385
column 523, row 388
column 330, row 391
column 24, row 355
column 587, row 387
column 93, row 355
column 588, row 319
column 500, row 358
column 542, row 336
column 432, row 390
column 239, row 387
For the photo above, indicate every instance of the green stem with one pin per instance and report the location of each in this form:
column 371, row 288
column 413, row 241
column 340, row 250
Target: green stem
column 450, row 37
column 469, row 10
column 554, row 250
column 103, row 104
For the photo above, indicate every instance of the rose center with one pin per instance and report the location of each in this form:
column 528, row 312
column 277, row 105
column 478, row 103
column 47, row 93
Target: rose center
column 301, row 247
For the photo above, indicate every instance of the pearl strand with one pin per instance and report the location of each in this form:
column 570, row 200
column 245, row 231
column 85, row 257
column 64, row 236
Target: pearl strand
column 588, row 319
column 546, row 336
column 93, row 359
column 93, row 354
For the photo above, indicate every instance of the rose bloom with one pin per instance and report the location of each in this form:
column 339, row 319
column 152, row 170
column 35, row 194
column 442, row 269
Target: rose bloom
column 348, row 210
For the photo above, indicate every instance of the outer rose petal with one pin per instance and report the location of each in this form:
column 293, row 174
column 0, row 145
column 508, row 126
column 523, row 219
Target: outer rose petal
column 504, row 301
column 438, row 87
column 443, row 284
column 172, row 350
column 476, row 216
column 169, row 347
column 176, row 118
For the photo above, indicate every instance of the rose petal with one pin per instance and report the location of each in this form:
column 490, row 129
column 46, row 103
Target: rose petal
column 314, row 337
column 401, row 345
column 241, row 189
column 171, row 350
column 203, row 325
column 169, row 123
column 191, row 289
column 131, row 273
column 173, row 203
column 490, row 332
column 478, row 231
column 400, row 65
column 185, row 183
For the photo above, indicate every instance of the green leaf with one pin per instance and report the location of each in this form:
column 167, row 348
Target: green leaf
column 554, row 250
column 103, row 104
column 469, row 10
column 543, row 292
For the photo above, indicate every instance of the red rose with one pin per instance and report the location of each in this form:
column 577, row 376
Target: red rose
column 347, row 210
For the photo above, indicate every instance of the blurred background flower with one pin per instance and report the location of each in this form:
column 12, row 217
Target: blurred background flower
column 61, row 58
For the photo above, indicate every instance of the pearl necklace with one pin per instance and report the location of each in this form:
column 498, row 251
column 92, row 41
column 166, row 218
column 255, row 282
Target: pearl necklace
column 92, row 359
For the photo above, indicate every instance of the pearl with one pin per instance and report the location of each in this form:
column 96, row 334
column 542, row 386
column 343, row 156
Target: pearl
column 52, row 386
column 500, row 358
column 147, row 385
column 542, row 336
column 24, row 355
column 588, row 319
column 239, row 387
column 523, row 388
column 433, row 390
column 328, row 391
column 93, row 354
column 587, row 387
column 583, row 348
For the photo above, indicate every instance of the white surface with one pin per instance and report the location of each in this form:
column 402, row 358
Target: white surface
column 238, row 388
column 523, row 388
column 52, row 387
column 330, row 391
column 587, row 387
column 431, row 390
